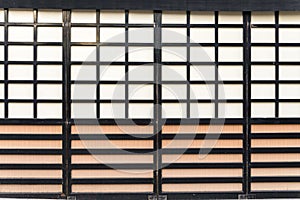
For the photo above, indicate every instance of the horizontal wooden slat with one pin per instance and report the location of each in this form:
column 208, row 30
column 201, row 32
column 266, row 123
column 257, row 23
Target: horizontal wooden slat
column 111, row 129
column 167, row 129
column 119, row 144
column 30, row 129
column 30, row 144
column 275, row 157
column 112, row 188
column 275, row 142
column 278, row 186
column 275, row 128
column 190, row 173
column 92, row 159
column 111, row 173
column 275, row 171
column 202, row 187
column 30, row 159
column 195, row 158
column 200, row 143
column 30, row 188
column 30, row 173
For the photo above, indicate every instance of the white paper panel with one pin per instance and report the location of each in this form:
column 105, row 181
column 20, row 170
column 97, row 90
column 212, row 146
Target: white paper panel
column 83, row 110
column 289, row 91
column 83, row 53
column 83, row 34
column 20, row 34
column 23, row 16
column 49, row 16
column 1, row 91
column 49, row 72
column 1, row 72
column 230, row 18
column 140, row 110
column 203, row 91
column 140, row 35
column 112, row 16
column 112, row 91
column 289, row 35
column 233, row 72
column 202, row 110
column 171, row 72
column 263, row 72
column 20, row 53
column 262, row 17
column 263, row 35
column 174, row 17
column 227, row 91
column 289, row 109
column 1, row 15
column 262, row 53
column 20, row 91
column 230, row 54
column 231, row 110
column 112, row 110
column 49, row 34
column 1, row 110
column 202, row 54
column 49, row 53
column 230, row 35
column 83, row 16
column 289, row 17
column 20, row 72
column 83, row 72
column 114, row 34
column 47, row 91
column 83, row 91
column 112, row 72
column 202, row 35
column 140, row 54
column 289, row 72
column 140, row 92
column 1, row 33
column 141, row 17
column 20, row 110
column 202, row 17
column 202, row 72
column 112, row 53
column 262, row 110
column 174, row 91
column 262, row 91
column 174, row 35
column 141, row 73
column 174, row 54
column 173, row 110
column 1, row 52
column 49, row 110
column 289, row 54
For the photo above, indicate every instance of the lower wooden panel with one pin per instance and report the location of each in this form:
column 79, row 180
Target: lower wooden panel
column 4, row 188
column 275, row 171
column 111, row 159
column 112, row 188
column 195, row 158
column 31, row 174
column 202, row 187
column 276, row 186
column 111, row 173
column 190, row 173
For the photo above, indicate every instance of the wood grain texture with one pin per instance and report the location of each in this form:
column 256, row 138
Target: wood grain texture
column 112, row 188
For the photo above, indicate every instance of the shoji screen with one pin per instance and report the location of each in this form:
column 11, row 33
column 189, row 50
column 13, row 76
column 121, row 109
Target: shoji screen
column 31, row 102
column 275, row 91
column 149, row 104
column 118, row 66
